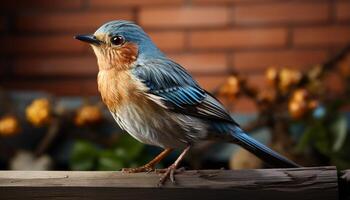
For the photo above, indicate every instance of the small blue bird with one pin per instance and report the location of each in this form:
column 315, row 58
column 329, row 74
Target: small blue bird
column 158, row 102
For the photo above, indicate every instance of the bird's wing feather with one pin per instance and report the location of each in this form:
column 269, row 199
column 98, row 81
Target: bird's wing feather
column 178, row 91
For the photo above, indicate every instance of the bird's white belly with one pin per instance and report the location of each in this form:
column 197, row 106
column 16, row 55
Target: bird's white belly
column 159, row 127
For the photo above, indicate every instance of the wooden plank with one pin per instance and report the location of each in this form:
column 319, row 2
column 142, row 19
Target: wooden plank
column 298, row 183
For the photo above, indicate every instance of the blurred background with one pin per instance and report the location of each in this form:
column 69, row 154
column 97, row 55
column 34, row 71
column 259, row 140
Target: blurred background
column 281, row 67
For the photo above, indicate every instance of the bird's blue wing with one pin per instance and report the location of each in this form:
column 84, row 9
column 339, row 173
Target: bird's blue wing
column 178, row 90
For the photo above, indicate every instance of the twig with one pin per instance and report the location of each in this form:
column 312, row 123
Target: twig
column 337, row 57
column 48, row 138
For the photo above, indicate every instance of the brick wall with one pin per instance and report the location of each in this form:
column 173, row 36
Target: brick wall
column 208, row 37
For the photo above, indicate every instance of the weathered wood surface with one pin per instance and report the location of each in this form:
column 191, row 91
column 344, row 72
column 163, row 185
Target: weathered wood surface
column 281, row 184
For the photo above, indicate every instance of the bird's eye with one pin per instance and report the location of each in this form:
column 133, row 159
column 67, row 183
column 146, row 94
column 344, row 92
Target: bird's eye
column 117, row 40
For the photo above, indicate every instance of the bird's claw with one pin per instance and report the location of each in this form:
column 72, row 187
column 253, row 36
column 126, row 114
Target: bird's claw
column 162, row 171
column 168, row 173
column 146, row 168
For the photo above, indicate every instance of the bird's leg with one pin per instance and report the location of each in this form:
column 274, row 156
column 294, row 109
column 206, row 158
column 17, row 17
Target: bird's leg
column 169, row 173
column 150, row 165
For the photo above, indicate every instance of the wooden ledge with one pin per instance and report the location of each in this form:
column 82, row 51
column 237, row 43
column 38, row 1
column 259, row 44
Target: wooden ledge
column 285, row 184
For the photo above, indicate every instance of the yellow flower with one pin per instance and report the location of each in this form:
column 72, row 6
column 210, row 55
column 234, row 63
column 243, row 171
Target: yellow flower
column 39, row 112
column 300, row 95
column 88, row 114
column 297, row 109
column 271, row 75
column 299, row 104
column 9, row 125
column 288, row 77
column 231, row 88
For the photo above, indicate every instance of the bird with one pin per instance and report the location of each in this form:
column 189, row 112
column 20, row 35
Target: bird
column 158, row 102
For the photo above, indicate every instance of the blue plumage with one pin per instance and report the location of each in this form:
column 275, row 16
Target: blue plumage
column 178, row 90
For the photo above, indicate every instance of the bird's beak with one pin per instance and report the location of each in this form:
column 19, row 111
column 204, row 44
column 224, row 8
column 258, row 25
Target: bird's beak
column 91, row 39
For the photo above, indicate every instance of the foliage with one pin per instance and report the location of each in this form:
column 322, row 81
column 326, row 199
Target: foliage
column 126, row 152
column 327, row 134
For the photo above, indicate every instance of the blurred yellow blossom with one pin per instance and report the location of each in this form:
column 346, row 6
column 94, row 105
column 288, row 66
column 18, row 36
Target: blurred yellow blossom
column 297, row 109
column 39, row 112
column 230, row 89
column 288, row 77
column 299, row 103
column 300, row 95
column 271, row 76
column 88, row 114
column 9, row 125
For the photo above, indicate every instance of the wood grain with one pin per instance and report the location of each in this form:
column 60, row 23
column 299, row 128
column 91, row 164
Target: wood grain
column 298, row 183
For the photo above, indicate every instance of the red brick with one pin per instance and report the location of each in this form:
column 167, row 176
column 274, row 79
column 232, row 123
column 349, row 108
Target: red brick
column 169, row 40
column 257, row 61
column 343, row 10
column 239, row 38
column 56, row 87
column 285, row 12
column 69, row 21
column 237, row 2
column 210, row 2
column 334, row 85
column 128, row 3
column 42, row 4
column 256, row 80
column 243, row 105
column 203, row 62
column 56, row 66
column 42, row 45
column 2, row 23
column 216, row 2
column 210, row 82
column 3, row 67
column 184, row 17
column 321, row 36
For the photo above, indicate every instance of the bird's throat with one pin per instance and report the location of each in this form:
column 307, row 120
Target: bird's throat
column 121, row 58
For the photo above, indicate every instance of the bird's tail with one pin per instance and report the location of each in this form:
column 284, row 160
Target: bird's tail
column 263, row 152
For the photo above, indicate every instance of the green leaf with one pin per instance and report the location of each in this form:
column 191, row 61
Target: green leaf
column 83, row 156
column 109, row 161
column 323, row 142
column 121, row 153
column 305, row 139
column 131, row 147
column 339, row 131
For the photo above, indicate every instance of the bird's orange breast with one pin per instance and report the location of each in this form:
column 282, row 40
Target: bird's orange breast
column 118, row 88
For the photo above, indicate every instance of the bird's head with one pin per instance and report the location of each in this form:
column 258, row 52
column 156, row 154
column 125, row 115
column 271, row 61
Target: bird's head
column 118, row 44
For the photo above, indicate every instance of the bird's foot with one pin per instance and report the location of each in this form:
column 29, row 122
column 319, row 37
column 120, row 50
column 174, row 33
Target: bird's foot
column 168, row 173
column 146, row 168
column 162, row 171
